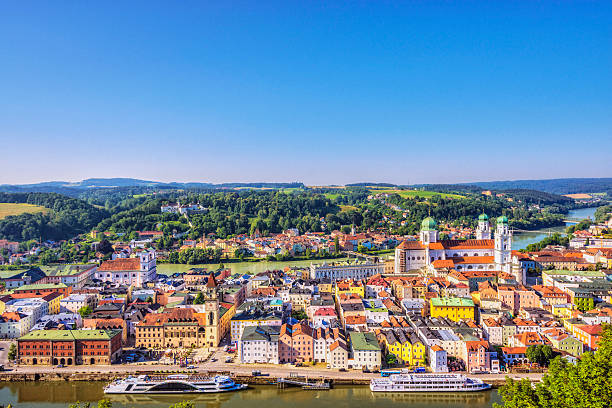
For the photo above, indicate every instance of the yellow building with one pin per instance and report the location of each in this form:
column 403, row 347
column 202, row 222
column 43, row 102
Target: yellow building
column 54, row 302
column 562, row 310
column 405, row 346
column 454, row 309
column 350, row 286
column 325, row 287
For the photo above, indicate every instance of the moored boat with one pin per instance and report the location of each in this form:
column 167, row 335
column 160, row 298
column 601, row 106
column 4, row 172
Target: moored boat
column 173, row 384
column 428, row 383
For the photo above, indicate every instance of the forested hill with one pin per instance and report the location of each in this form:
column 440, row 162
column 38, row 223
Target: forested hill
column 66, row 217
column 554, row 186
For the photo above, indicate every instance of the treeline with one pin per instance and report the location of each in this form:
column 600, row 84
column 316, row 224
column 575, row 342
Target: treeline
column 554, row 186
column 145, row 216
column 603, row 214
column 193, row 256
column 267, row 212
column 66, row 217
column 554, row 239
column 465, row 212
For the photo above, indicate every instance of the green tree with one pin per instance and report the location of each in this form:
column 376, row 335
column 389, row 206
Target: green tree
column 588, row 383
column 12, row 353
column 183, row 404
column 85, row 311
column 391, row 359
column 299, row 315
column 105, row 403
column 199, row 299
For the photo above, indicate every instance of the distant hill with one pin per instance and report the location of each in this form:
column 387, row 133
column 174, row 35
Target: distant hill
column 70, row 188
column 554, row 186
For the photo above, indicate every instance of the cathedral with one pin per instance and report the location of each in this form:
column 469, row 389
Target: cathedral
column 480, row 254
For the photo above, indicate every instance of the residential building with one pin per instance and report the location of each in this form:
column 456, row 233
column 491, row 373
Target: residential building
column 365, row 351
column 69, row 347
column 452, row 308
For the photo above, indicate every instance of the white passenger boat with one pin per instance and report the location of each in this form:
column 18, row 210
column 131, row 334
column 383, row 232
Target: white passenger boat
column 173, row 384
column 428, row 383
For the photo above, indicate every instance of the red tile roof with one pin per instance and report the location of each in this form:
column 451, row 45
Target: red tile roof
column 120, row 264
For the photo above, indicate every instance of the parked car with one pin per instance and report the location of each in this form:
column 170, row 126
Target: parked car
column 344, row 370
column 256, row 373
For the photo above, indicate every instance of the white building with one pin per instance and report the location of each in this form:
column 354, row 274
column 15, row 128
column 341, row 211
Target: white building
column 69, row 275
column 438, row 359
column 346, row 271
column 259, row 344
column 129, row 271
column 76, row 301
column 20, row 315
column 471, row 254
column 365, row 351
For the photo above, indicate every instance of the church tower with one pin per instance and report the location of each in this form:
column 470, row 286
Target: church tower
column 484, row 230
column 503, row 245
column 429, row 231
column 211, row 311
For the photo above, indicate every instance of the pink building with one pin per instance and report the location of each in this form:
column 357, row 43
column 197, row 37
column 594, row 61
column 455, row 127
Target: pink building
column 295, row 343
column 477, row 356
column 517, row 297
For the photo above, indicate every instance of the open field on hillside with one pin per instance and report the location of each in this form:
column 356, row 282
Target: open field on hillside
column 413, row 193
column 7, row 209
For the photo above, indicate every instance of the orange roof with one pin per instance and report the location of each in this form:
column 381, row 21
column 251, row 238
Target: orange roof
column 469, row 244
column 120, row 264
column 514, row 350
column 443, row 263
column 473, row 259
column 411, row 245
column 355, row 319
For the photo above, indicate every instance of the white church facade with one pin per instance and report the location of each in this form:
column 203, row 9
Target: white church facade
column 482, row 253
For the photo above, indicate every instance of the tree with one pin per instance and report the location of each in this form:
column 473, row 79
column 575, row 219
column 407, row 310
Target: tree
column 12, row 353
column 588, row 383
column 391, row 359
column 299, row 315
column 540, row 354
column 336, row 245
column 105, row 403
column 85, row 311
column 199, row 299
column 183, row 404
column 105, row 247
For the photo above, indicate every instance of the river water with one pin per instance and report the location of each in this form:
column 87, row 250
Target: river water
column 520, row 240
column 62, row 394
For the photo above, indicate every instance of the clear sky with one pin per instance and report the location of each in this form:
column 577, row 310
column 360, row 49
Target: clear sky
column 402, row 92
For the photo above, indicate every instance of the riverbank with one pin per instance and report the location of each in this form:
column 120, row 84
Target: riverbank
column 241, row 374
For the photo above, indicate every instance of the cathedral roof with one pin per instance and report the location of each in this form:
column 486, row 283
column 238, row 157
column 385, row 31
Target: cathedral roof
column 483, row 217
column 468, row 244
column 429, row 224
column 411, row 245
column 502, row 220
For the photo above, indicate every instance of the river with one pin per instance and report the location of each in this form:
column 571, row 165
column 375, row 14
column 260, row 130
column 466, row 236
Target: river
column 62, row 394
column 520, row 240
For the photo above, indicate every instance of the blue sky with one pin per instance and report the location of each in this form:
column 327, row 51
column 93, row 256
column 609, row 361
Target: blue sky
column 402, row 92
